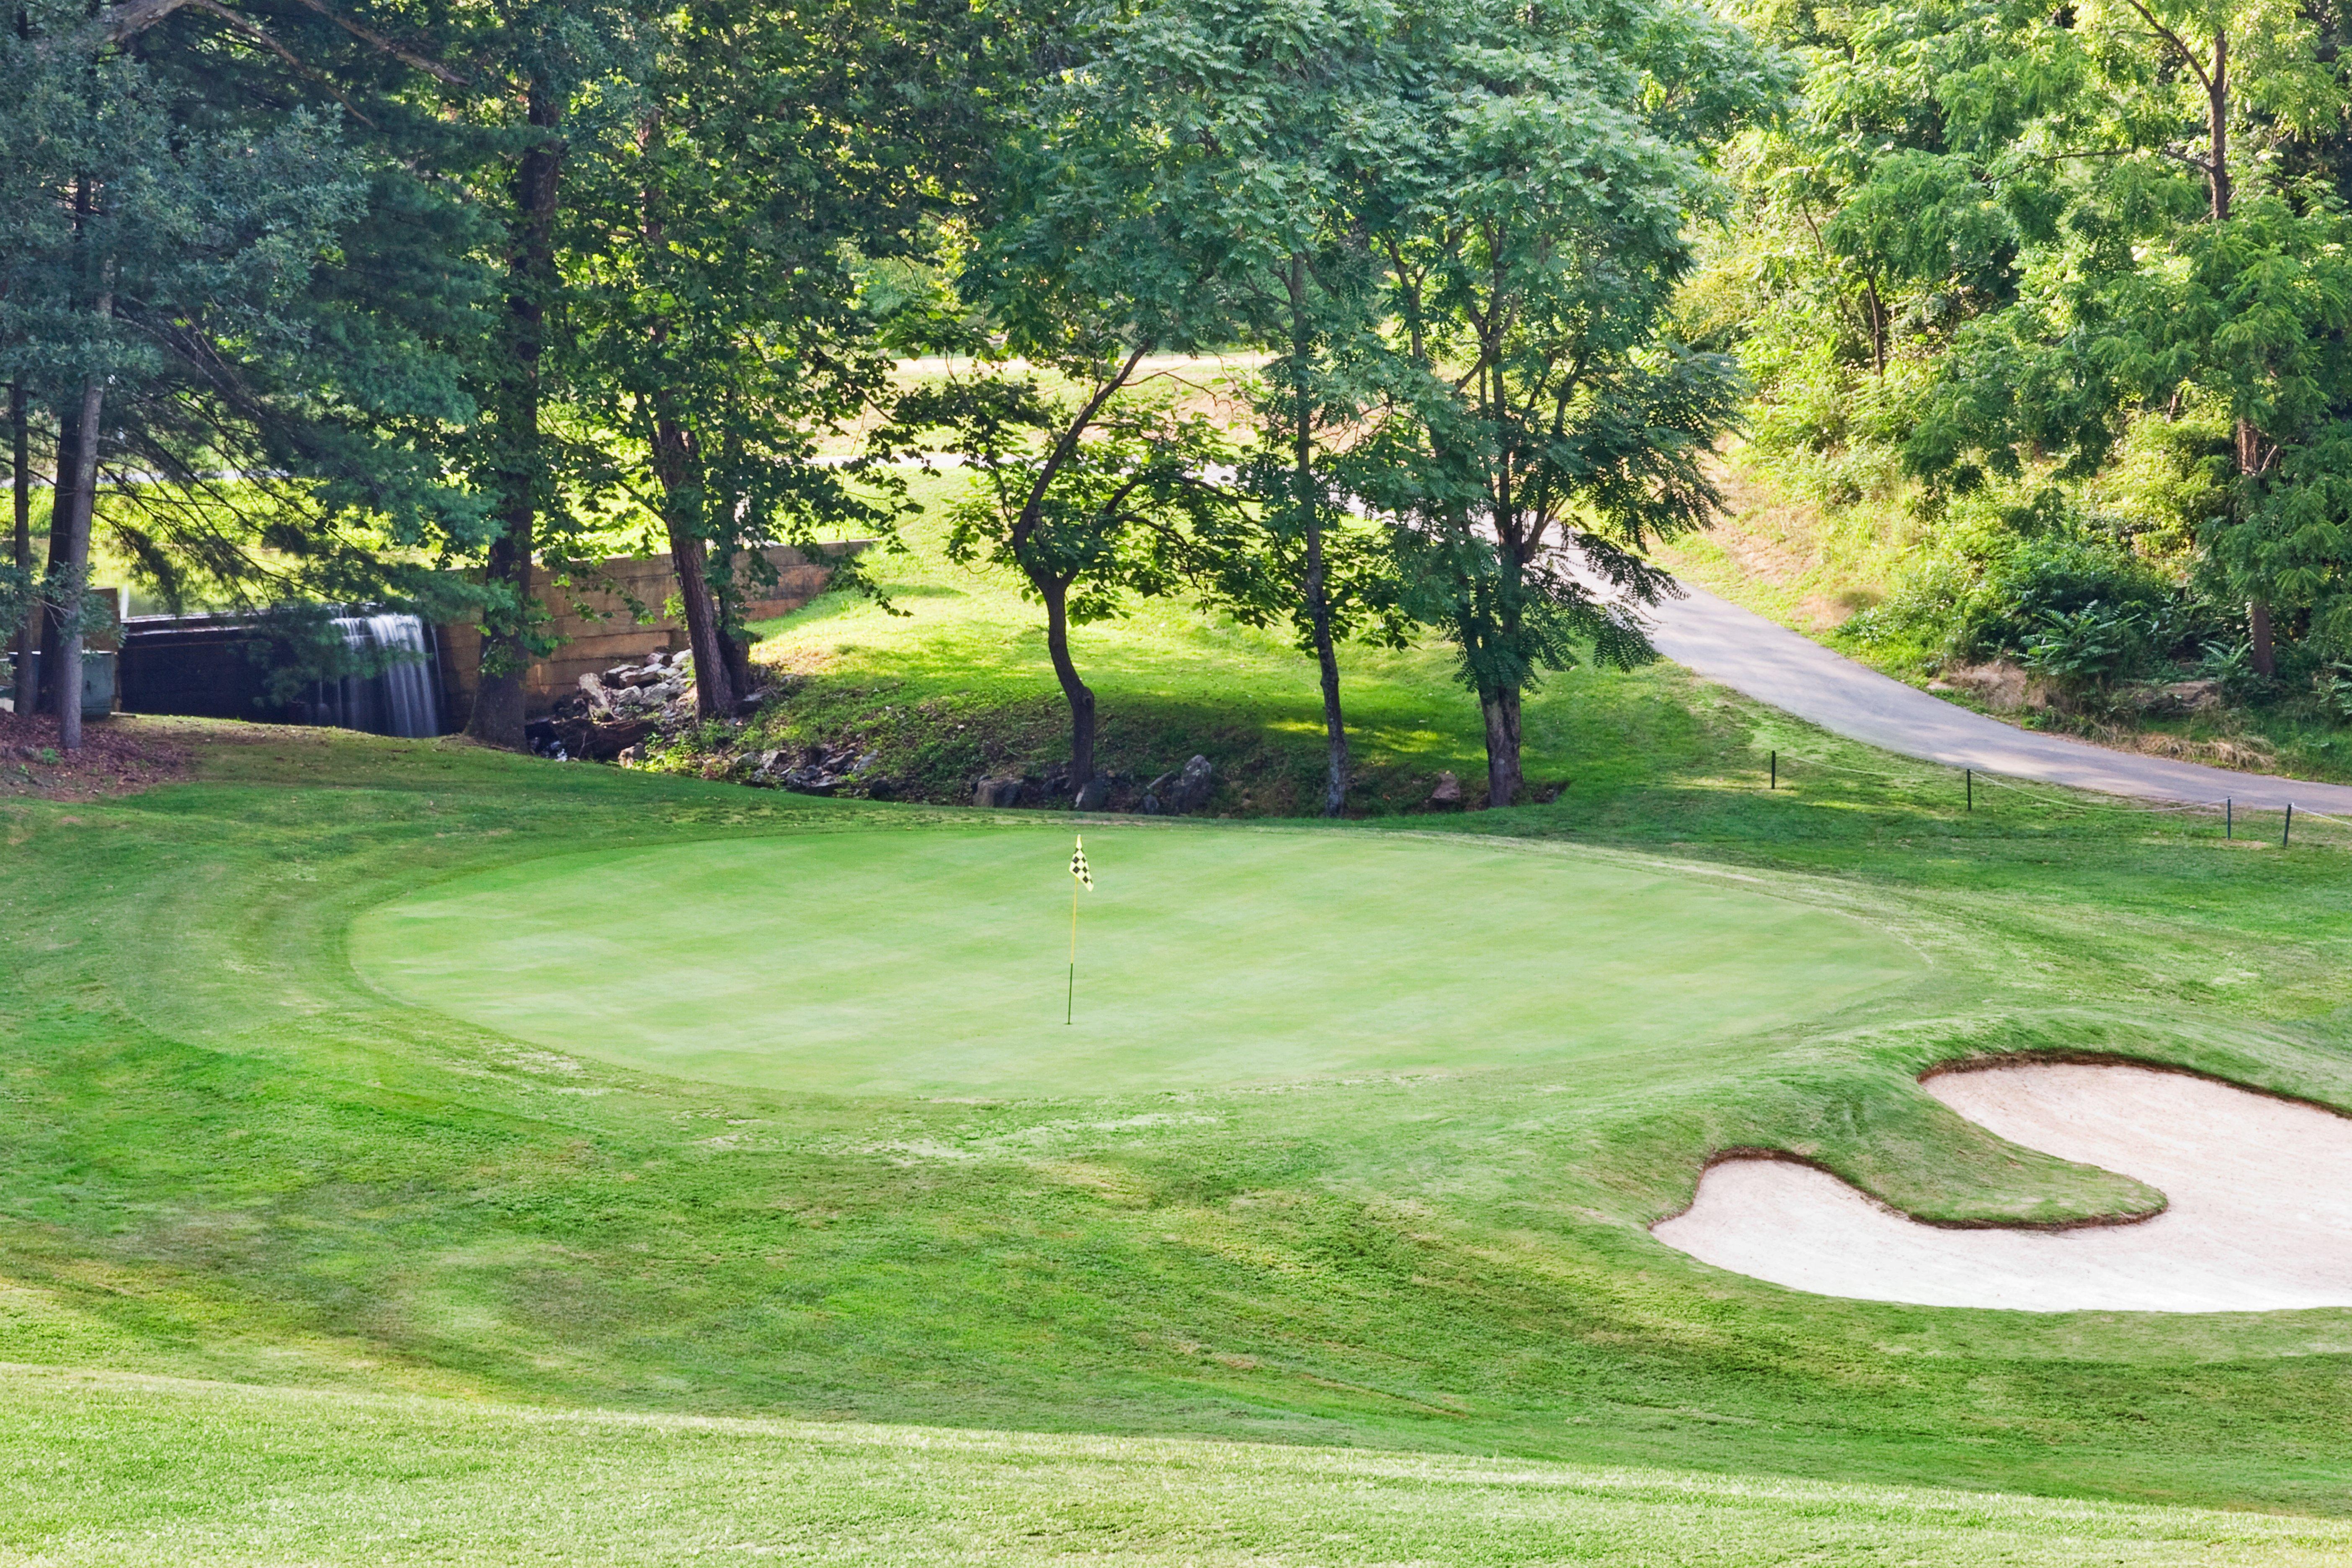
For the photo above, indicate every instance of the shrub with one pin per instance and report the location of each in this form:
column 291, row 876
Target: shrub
column 2043, row 583
column 2089, row 648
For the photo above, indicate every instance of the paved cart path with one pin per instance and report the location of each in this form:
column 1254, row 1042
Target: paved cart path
column 1724, row 643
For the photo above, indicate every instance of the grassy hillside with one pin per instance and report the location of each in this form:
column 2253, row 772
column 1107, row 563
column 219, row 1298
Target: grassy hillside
column 957, row 686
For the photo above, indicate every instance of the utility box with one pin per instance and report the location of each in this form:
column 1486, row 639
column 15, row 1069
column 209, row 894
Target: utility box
column 97, row 683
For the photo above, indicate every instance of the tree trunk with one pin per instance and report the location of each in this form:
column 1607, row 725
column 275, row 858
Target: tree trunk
column 498, row 699
column 722, row 669
column 20, row 477
column 740, row 674
column 2217, row 126
column 1310, row 511
column 2263, row 655
column 1876, row 310
column 689, row 559
column 49, row 625
column 81, row 505
column 1502, row 711
column 1081, row 700
column 1335, row 727
column 714, row 689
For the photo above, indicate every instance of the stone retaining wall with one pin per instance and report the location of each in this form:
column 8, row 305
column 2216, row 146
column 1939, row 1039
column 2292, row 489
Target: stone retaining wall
column 597, row 614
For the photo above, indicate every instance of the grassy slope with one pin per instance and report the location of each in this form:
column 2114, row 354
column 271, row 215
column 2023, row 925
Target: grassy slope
column 959, row 686
column 228, row 1158
column 145, row 1471
column 1804, row 566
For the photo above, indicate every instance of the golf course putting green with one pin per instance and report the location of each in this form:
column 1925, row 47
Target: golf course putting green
column 935, row 961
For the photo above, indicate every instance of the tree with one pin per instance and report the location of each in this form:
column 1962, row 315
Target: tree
column 13, row 616
column 1082, row 263
column 1554, row 432
column 2189, row 275
column 543, row 78
column 1282, row 121
column 515, row 463
column 2100, row 246
column 161, row 269
column 709, row 259
column 207, row 286
column 1090, row 498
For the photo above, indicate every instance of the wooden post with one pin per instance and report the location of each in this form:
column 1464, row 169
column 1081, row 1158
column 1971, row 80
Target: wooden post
column 1970, row 774
column 1776, row 771
column 2286, row 830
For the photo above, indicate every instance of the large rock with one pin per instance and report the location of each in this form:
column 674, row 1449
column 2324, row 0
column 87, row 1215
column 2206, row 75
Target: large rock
column 1093, row 794
column 2178, row 696
column 1176, row 791
column 1448, row 791
column 2001, row 686
column 997, row 792
column 1191, row 790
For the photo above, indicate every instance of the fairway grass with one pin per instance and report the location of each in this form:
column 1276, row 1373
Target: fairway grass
column 934, row 963
column 153, row 1473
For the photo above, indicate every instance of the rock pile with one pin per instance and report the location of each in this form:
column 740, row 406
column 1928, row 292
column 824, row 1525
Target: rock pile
column 1173, row 794
column 614, row 710
column 2001, row 686
column 636, row 691
column 819, row 769
column 997, row 792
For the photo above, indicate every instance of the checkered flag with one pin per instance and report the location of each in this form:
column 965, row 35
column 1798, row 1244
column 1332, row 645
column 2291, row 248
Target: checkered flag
column 1078, row 867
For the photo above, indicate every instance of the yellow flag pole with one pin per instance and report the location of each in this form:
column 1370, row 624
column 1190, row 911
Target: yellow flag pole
column 1070, row 1001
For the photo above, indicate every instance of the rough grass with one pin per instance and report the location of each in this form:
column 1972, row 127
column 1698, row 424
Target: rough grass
column 127, row 1470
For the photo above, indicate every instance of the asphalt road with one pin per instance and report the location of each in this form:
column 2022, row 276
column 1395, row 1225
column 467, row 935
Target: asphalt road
column 1726, row 644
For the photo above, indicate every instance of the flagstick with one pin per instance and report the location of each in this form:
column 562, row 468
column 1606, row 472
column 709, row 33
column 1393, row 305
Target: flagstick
column 1070, row 1001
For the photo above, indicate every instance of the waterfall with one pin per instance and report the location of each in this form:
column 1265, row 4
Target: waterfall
column 399, row 701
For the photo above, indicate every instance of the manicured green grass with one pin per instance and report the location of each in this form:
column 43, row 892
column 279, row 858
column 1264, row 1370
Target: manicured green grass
column 937, row 961
column 137, row 1472
column 225, row 1154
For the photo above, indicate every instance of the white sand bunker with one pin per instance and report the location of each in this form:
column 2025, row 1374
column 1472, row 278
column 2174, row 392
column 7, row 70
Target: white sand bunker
column 2260, row 1214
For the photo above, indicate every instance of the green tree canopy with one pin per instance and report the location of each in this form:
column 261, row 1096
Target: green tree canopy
column 1555, row 430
